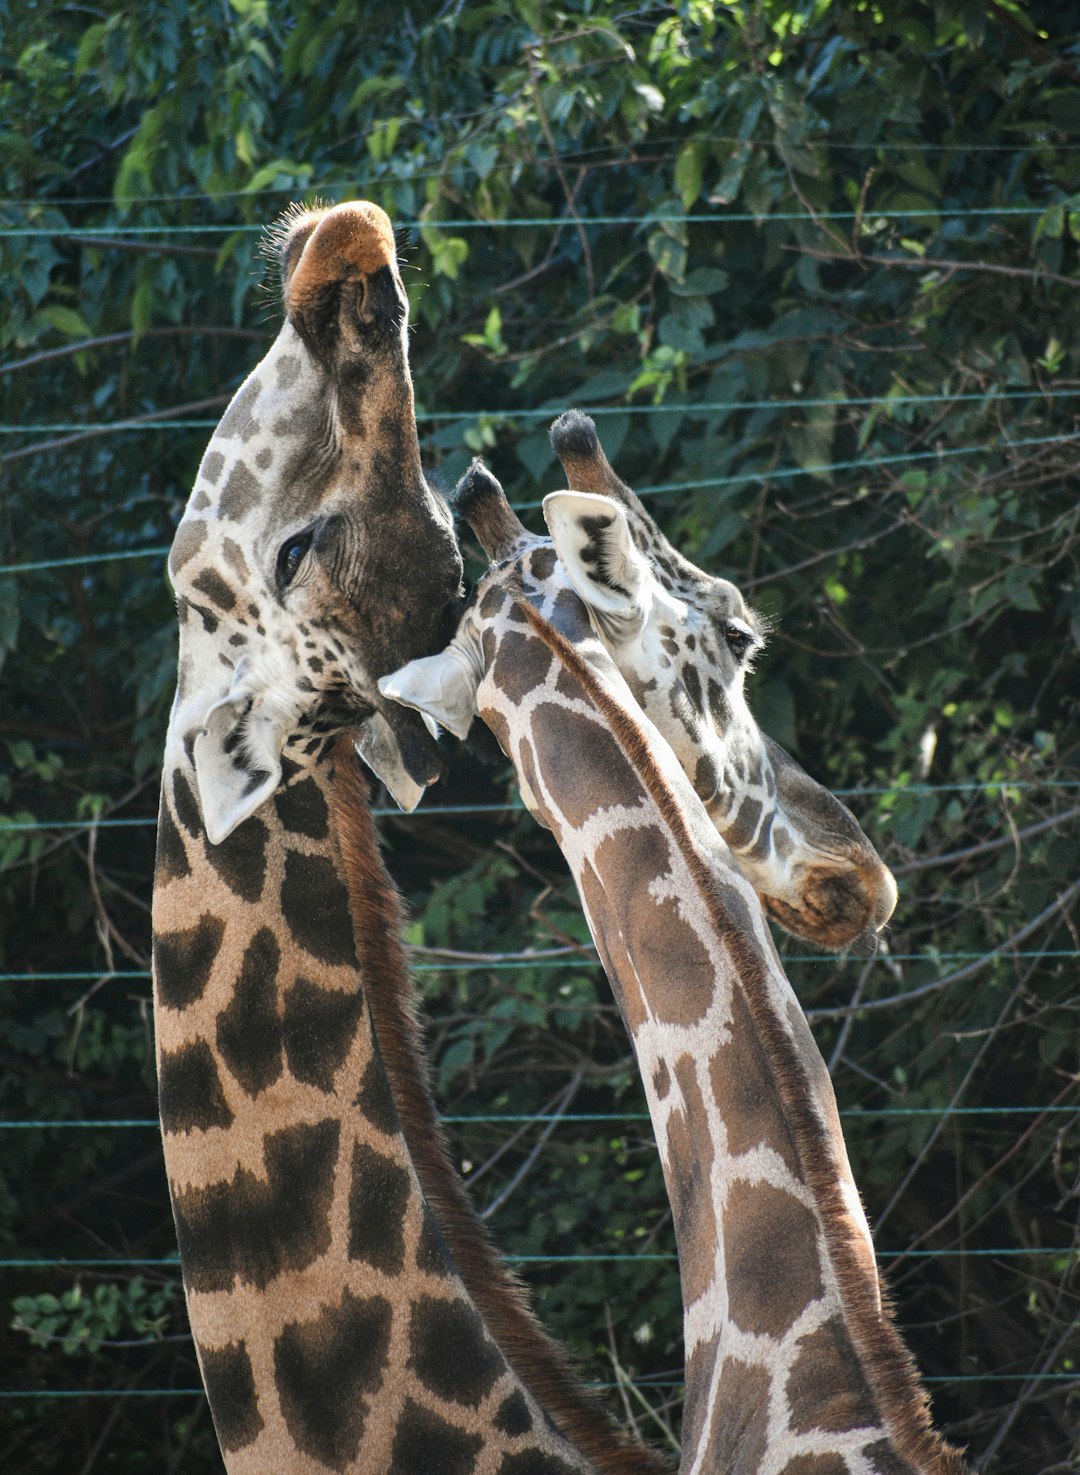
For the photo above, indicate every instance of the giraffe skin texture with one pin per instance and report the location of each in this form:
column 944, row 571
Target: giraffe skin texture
column 684, row 640
column 794, row 1365
column 348, row 1311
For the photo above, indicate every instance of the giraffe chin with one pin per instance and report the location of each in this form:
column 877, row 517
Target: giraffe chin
column 823, row 928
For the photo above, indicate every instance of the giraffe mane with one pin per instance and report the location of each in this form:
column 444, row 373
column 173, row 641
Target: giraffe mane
column 541, row 1364
column 886, row 1362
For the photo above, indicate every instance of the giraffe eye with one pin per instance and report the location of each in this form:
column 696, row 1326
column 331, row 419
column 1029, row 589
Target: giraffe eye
column 291, row 556
column 740, row 638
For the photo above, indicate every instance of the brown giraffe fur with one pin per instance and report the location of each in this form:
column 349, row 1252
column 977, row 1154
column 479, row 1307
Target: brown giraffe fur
column 794, row 1364
column 348, row 1311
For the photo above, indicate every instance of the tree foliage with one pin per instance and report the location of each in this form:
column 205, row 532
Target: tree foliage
column 812, row 265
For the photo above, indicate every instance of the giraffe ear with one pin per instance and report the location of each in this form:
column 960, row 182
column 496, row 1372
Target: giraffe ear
column 237, row 757
column 443, row 686
column 378, row 746
column 592, row 538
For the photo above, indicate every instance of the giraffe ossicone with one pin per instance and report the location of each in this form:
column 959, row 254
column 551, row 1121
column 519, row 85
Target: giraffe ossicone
column 684, row 641
column 348, row 1312
column 793, row 1362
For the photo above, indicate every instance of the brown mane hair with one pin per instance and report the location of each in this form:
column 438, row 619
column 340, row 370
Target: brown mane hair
column 543, row 1366
column 886, row 1362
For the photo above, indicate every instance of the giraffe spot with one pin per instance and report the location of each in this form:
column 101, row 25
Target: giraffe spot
column 745, row 1090
column 315, row 907
column 240, row 859
column 379, row 1192
column 326, row 1371
column 190, row 1097
column 425, row 1442
column 687, row 1169
column 739, row 1436
column 240, row 493
column 249, row 1031
column 230, row 1391
column 667, row 958
column 190, row 536
column 171, row 862
column 706, row 777
column 264, row 458
column 251, row 1228
column 513, row 1416
column 318, row 1029
column 542, row 564
column 884, row 1460
column 212, row 464
column 238, row 420
column 826, row 1388
column 826, row 1464
column 183, row 961
column 201, row 501
column 521, row 664
column 692, row 682
column 216, row 589
column 288, row 370
column 661, row 1080
column 374, row 1098
column 582, row 764
column 536, row 1462
column 719, row 705
column 451, row 1352
column 497, row 726
column 234, row 557
column 698, row 1379
column 187, row 809
column 432, row 1252
column 570, row 617
column 743, row 827
column 772, row 1258
column 492, row 601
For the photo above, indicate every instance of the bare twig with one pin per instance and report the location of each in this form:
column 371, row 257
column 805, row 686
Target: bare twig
column 527, row 1166
column 174, row 412
column 212, row 330
column 1065, row 899
column 541, row 114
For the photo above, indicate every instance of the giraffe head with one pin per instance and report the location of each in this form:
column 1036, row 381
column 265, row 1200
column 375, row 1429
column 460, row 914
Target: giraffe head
column 313, row 556
column 683, row 640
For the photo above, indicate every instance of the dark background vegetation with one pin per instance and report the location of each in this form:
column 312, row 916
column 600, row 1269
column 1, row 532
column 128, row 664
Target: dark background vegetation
column 813, row 266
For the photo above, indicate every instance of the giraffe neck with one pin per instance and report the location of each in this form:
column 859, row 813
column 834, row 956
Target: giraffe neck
column 793, row 1363
column 331, row 1317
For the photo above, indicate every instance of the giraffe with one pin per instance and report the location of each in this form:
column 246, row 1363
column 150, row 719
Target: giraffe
column 348, row 1312
column 794, row 1365
column 684, row 642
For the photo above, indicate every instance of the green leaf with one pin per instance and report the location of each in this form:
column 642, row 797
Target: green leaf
column 65, row 320
column 689, row 167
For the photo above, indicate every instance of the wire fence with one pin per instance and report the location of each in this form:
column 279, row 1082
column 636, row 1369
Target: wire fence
column 1057, row 1115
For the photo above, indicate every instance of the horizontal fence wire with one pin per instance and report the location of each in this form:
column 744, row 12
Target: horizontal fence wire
column 670, row 407
column 546, row 222
column 512, row 965
column 516, row 805
column 588, row 157
column 172, row 1262
column 646, row 1383
column 505, row 1117
column 709, row 483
